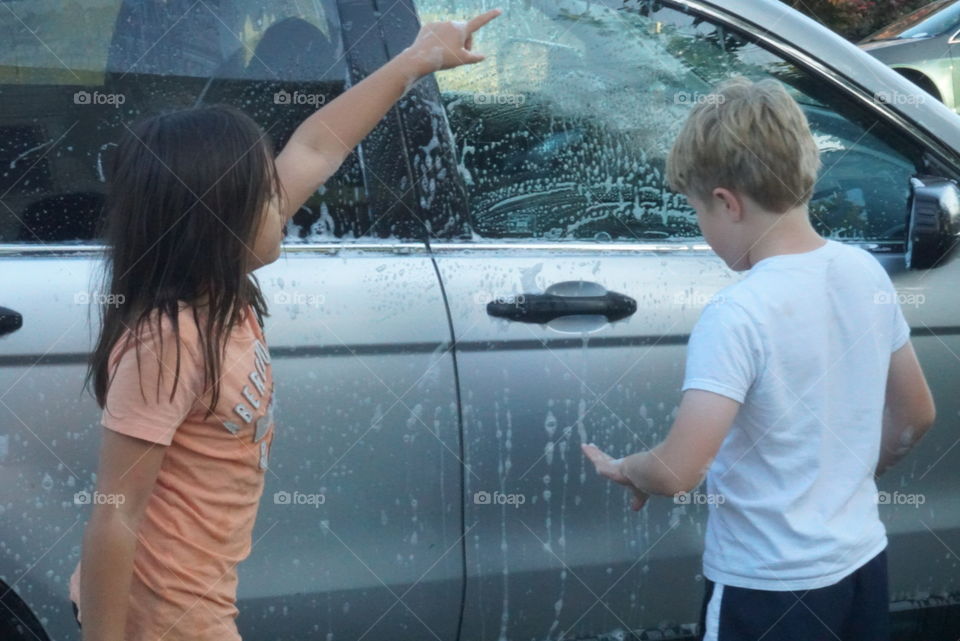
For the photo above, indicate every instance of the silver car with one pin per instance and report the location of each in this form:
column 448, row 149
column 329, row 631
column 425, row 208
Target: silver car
column 497, row 275
column 923, row 46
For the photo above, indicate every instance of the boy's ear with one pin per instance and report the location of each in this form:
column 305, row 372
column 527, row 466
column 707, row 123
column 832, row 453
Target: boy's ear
column 729, row 203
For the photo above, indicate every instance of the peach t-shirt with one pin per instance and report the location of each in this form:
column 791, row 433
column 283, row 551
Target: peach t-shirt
column 198, row 521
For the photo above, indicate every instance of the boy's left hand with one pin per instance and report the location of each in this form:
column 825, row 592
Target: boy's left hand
column 445, row 45
column 612, row 469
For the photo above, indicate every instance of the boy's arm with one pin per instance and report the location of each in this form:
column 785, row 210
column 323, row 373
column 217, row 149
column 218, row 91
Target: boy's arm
column 909, row 410
column 679, row 463
column 724, row 355
column 324, row 140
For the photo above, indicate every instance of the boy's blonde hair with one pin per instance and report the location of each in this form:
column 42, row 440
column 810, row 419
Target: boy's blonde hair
column 749, row 137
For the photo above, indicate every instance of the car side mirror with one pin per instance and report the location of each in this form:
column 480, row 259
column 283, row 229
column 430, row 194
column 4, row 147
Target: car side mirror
column 934, row 225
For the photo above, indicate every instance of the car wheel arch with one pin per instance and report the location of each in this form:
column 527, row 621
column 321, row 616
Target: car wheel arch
column 922, row 80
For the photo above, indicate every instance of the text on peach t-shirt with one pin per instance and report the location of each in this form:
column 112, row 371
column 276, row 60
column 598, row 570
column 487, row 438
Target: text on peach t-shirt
column 198, row 521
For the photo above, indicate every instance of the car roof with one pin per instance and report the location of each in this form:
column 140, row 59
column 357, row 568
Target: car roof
column 776, row 19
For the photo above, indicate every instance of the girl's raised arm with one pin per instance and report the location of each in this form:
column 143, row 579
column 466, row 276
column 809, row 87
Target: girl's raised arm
column 324, row 140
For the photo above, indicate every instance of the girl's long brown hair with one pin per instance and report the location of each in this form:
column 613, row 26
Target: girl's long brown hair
column 186, row 196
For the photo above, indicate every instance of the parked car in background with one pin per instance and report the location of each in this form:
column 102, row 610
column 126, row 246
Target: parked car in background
column 923, row 47
column 497, row 275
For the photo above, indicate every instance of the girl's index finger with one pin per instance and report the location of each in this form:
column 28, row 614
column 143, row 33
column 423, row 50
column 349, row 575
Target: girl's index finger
column 482, row 19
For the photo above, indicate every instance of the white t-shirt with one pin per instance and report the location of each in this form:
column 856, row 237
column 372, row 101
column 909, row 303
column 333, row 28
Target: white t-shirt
column 804, row 343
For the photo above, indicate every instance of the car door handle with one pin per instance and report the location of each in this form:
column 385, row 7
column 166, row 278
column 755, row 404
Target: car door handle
column 10, row 321
column 543, row 308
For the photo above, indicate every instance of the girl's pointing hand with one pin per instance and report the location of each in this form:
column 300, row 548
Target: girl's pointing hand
column 445, row 45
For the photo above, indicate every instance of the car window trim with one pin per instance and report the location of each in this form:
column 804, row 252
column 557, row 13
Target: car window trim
column 10, row 250
column 891, row 247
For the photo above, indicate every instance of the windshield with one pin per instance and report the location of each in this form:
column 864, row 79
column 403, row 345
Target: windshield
column 929, row 21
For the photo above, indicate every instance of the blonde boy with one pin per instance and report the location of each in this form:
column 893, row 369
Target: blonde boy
column 799, row 388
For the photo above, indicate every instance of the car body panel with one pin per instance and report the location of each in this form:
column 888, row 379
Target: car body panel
column 532, row 393
column 566, row 558
column 380, row 408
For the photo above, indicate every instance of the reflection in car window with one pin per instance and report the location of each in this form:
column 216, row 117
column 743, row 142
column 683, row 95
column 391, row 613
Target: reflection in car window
column 74, row 75
column 564, row 131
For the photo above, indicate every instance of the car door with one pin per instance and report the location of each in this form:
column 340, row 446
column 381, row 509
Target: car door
column 559, row 140
column 359, row 531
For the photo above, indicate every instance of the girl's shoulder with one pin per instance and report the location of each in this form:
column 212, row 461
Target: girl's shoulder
column 159, row 331
column 249, row 319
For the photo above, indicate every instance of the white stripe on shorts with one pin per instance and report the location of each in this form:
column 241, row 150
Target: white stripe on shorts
column 712, row 620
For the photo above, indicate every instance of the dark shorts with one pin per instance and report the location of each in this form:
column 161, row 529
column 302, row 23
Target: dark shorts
column 856, row 608
column 75, row 613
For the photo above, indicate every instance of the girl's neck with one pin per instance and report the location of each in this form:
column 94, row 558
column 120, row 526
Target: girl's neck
column 200, row 303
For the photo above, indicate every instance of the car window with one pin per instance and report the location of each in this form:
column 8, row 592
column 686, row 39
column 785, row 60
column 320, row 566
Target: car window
column 74, row 75
column 563, row 132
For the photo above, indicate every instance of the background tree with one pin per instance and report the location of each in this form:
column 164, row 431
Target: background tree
column 856, row 19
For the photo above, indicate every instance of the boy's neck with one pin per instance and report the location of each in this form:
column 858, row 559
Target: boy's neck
column 786, row 233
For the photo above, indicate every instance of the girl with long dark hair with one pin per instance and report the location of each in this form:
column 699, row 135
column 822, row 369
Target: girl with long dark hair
column 196, row 202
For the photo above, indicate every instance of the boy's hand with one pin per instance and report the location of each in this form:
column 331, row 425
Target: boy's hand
column 612, row 469
column 445, row 45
